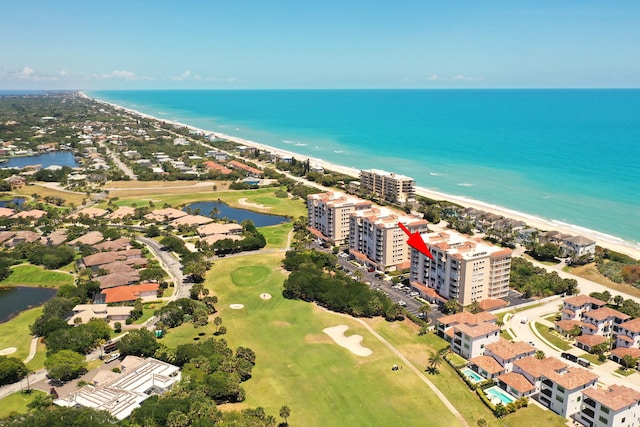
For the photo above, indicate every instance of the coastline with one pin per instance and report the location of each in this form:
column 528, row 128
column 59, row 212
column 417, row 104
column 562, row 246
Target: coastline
column 602, row 239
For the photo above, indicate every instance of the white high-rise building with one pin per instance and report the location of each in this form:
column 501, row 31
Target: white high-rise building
column 329, row 214
column 464, row 269
column 387, row 185
column 377, row 240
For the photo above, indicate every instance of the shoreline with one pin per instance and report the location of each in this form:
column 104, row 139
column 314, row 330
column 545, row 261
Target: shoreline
column 602, row 239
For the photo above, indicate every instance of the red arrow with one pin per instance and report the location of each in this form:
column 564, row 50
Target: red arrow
column 416, row 242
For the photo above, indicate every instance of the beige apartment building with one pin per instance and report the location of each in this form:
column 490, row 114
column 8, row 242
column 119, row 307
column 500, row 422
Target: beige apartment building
column 329, row 214
column 464, row 269
column 377, row 240
column 387, row 185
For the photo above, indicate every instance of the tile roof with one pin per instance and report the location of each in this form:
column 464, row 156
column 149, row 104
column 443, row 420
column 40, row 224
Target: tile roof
column 507, row 350
column 580, row 300
column 116, row 279
column 487, row 363
column 591, row 340
column 128, row 293
column 631, row 325
column 517, row 381
column 474, row 331
column 604, row 313
column 191, row 220
column 572, row 377
column 614, row 397
column 489, row 304
column 536, row 367
column 567, row 325
column 121, row 212
column 621, row 352
column 91, row 238
column 624, row 338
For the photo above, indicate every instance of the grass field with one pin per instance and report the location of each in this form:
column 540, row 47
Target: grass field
column 552, row 338
column 69, row 197
column 590, row 272
column 276, row 235
column 16, row 403
column 15, row 332
column 180, row 197
column 300, row 366
column 32, row 275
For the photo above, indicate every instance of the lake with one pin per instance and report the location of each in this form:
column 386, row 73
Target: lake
column 258, row 219
column 14, row 300
column 18, row 201
column 60, row 158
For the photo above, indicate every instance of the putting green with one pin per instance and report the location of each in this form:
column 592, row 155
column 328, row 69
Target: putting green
column 250, row 275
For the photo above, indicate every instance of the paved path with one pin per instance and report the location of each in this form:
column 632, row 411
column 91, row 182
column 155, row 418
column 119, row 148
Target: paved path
column 32, row 350
column 416, row 371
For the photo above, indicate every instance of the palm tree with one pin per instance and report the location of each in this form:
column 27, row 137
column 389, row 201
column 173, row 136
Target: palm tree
column 435, row 359
column 425, row 309
column 285, row 412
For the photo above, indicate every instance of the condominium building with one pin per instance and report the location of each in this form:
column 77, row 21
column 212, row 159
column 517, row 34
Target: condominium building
column 615, row 405
column 376, row 239
column 387, row 185
column 463, row 268
column 329, row 214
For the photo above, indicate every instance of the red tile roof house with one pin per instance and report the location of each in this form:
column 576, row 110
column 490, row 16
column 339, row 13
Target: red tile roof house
column 574, row 307
column 499, row 356
column 91, row 238
column 468, row 333
column 96, row 260
column 602, row 321
column 587, row 342
column 113, row 280
column 131, row 293
column 165, row 215
column 628, row 334
column 617, row 354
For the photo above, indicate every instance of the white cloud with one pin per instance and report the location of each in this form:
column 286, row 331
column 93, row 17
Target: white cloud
column 118, row 74
column 185, row 75
column 465, row 78
column 28, row 73
column 433, row 77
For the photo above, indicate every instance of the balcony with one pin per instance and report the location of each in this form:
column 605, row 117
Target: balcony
column 590, row 402
column 547, row 382
column 546, row 392
column 588, row 412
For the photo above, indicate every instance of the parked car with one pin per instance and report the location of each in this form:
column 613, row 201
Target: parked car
column 112, row 357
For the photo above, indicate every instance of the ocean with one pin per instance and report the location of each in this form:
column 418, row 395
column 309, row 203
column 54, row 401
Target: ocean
column 570, row 156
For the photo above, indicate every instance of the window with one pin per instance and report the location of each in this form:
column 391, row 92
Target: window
column 561, row 389
column 603, row 419
column 559, row 399
column 604, row 409
column 578, row 399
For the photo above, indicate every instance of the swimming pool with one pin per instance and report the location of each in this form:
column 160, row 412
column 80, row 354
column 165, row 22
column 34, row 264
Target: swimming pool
column 472, row 375
column 496, row 392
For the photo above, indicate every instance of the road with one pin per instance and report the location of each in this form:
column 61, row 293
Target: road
column 524, row 332
column 171, row 264
column 124, row 168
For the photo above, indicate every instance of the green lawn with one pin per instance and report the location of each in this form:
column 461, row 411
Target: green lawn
column 593, row 358
column 551, row 337
column 276, row 235
column 300, row 366
column 262, row 196
column 16, row 403
column 32, row 275
column 15, row 332
column 625, row 372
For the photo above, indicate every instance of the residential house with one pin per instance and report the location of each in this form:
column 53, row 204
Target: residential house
column 602, row 321
column 121, row 213
column 166, row 214
column 91, row 238
column 561, row 389
column 248, row 170
column 628, row 333
column 130, row 293
column 120, row 244
column 56, row 238
column 499, row 356
column 574, row 307
column 615, row 405
column 468, row 333
column 190, row 220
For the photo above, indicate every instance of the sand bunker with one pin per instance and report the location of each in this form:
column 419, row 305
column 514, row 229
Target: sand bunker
column 7, row 351
column 236, row 306
column 244, row 202
column 265, row 296
column 352, row 343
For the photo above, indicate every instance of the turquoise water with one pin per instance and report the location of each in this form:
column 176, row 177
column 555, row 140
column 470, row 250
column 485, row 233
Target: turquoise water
column 565, row 155
column 473, row 376
column 496, row 391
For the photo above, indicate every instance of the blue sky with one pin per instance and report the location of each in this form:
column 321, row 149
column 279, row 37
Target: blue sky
column 330, row 44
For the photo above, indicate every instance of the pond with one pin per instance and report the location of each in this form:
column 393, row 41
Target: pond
column 224, row 210
column 60, row 158
column 14, row 300
column 18, row 201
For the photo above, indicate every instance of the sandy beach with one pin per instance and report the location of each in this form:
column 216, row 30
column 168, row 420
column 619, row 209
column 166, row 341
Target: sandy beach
column 603, row 240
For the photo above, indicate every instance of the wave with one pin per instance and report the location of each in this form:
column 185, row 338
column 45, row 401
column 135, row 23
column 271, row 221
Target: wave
column 465, row 184
column 435, row 174
column 300, row 144
column 288, row 141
